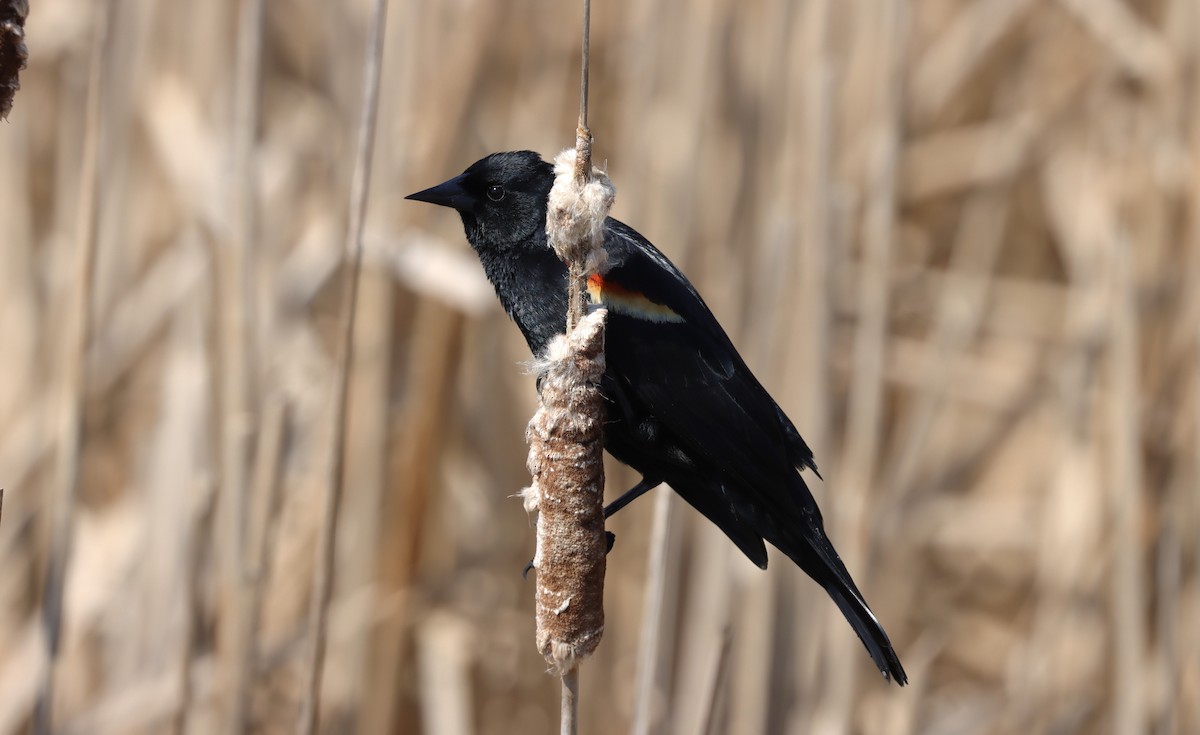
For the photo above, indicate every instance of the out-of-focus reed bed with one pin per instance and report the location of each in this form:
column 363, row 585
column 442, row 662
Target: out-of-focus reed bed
column 959, row 241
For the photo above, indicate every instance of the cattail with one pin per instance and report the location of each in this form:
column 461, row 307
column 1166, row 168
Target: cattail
column 13, row 53
column 566, row 442
column 566, row 461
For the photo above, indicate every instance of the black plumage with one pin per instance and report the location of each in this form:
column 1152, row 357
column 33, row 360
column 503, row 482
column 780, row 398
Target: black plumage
column 683, row 407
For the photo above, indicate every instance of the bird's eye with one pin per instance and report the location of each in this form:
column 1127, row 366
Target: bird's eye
column 495, row 192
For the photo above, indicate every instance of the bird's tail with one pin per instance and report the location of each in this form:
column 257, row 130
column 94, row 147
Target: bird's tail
column 816, row 555
column 870, row 632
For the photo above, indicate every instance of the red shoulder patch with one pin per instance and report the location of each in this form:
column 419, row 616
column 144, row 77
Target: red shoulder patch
column 619, row 299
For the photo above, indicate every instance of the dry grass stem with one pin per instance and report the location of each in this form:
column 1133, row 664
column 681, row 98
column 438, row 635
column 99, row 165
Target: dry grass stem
column 718, row 687
column 235, row 299
column 326, row 540
column 201, row 534
column 649, row 694
column 443, row 648
column 76, row 340
column 1125, row 498
column 867, row 388
column 259, row 532
column 432, row 368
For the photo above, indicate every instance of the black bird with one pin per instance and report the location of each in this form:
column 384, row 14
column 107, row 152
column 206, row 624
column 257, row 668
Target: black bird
column 683, row 407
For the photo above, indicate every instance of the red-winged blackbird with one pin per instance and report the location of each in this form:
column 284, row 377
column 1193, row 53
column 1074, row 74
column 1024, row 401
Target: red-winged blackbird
column 682, row 406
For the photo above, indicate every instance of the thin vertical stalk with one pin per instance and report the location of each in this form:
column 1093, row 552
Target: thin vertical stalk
column 432, row 370
column 1125, row 496
column 323, row 574
column 647, row 709
column 234, row 281
column 565, row 441
column 584, row 69
column 193, row 606
column 861, row 453
column 74, row 361
column 576, row 279
column 258, row 533
column 1189, row 510
column 569, row 722
column 718, row 684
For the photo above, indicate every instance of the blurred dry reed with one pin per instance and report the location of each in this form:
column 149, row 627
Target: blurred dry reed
column 323, row 576
column 958, row 240
column 74, row 359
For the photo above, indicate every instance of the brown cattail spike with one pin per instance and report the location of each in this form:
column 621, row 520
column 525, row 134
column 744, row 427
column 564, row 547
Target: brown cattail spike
column 13, row 53
column 566, row 461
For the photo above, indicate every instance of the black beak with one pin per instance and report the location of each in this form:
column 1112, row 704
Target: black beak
column 447, row 194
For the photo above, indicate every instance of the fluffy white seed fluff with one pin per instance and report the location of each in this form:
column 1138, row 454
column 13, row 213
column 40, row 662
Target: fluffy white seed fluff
column 576, row 212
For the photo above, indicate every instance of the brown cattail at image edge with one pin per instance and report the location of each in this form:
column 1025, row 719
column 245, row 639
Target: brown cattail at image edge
column 13, row 53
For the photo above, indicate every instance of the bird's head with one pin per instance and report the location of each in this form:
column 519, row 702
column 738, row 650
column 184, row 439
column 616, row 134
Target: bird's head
column 501, row 198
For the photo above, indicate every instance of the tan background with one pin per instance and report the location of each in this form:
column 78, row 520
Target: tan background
column 957, row 240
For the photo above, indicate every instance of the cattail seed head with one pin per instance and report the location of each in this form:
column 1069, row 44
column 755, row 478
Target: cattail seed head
column 567, row 463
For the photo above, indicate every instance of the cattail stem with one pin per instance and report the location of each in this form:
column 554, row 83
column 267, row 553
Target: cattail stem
column 583, row 71
column 576, row 269
column 576, row 277
column 576, row 283
column 566, row 435
column 569, row 722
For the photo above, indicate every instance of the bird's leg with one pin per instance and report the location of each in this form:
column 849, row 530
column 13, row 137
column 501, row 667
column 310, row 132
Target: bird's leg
column 630, row 495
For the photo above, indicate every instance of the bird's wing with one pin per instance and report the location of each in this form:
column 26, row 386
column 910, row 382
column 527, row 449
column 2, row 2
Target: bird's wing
column 676, row 360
